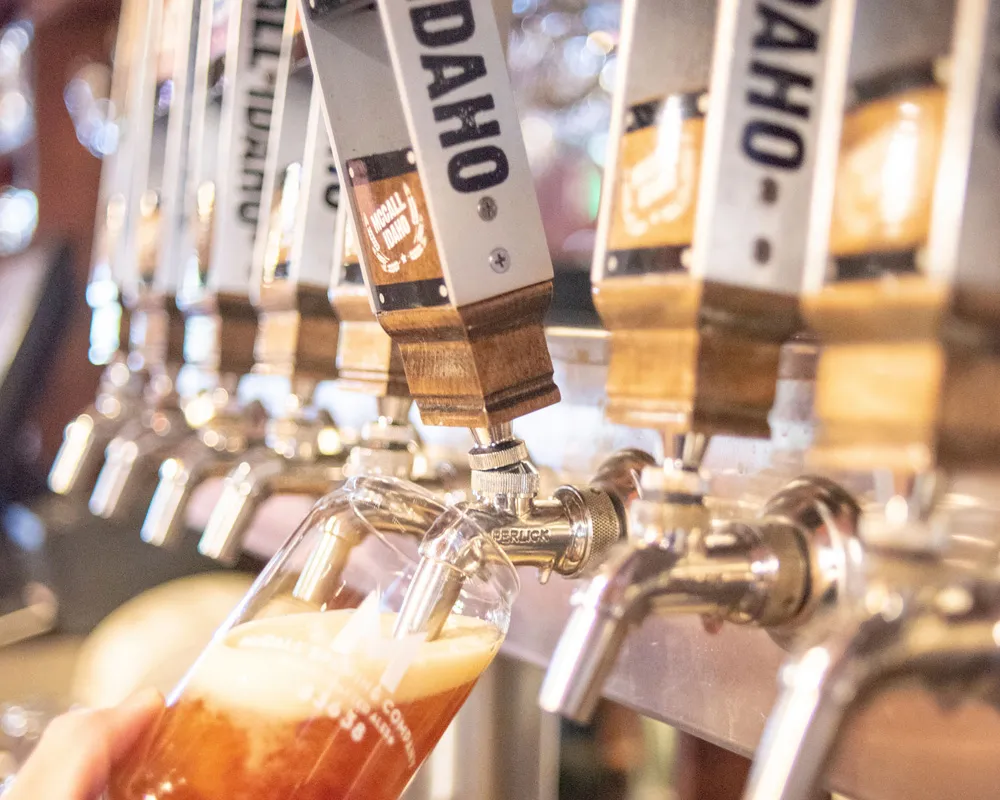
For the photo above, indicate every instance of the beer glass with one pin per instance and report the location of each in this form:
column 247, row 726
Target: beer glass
column 309, row 690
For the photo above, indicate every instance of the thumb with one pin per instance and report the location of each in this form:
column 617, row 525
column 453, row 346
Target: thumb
column 77, row 751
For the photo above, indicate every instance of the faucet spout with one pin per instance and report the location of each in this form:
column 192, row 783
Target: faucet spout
column 603, row 611
column 818, row 690
column 676, row 560
column 194, row 463
column 124, row 481
column 78, row 462
column 941, row 632
column 248, row 485
column 244, row 490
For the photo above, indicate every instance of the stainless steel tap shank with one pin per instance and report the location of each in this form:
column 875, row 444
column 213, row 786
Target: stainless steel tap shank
column 772, row 572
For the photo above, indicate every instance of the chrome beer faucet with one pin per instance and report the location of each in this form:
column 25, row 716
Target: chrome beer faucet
column 906, row 613
column 78, row 462
column 159, row 131
column 79, row 459
column 303, row 454
column 564, row 534
column 704, row 275
column 223, row 206
column 775, row 571
column 905, row 382
column 224, row 429
column 456, row 268
column 297, row 332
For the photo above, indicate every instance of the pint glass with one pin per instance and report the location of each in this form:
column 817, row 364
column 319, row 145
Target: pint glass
column 308, row 691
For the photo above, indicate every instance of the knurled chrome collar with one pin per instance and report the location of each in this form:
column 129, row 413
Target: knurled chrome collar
column 505, row 454
column 526, row 483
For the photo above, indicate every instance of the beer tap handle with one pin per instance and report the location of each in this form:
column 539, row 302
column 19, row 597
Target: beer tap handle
column 917, row 393
column 286, row 146
column 298, row 331
column 229, row 149
column 146, row 141
column 253, row 52
column 695, row 273
column 452, row 247
column 315, row 232
column 368, row 361
column 161, row 131
column 135, row 139
column 178, row 175
column 202, row 151
column 109, row 327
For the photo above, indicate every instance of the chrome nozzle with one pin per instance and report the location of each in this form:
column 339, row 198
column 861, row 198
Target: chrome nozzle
column 127, row 476
column 428, row 603
column 223, row 432
column 676, row 560
column 633, row 573
column 245, row 488
column 453, row 549
column 926, row 622
column 119, row 461
column 562, row 534
column 180, row 475
column 802, row 730
column 581, row 663
column 125, row 480
column 248, row 485
column 603, row 610
column 78, row 462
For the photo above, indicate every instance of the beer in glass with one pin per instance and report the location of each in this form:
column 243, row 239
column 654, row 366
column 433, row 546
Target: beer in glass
column 309, row 691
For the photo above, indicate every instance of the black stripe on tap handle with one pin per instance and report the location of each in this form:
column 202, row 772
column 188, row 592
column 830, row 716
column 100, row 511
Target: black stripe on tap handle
column 643, row 115
column 873, row 266
column 411, row 294
column 379, row 167
column 645, row 261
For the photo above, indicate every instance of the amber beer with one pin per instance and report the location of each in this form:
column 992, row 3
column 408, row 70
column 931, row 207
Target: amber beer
column 315, row 706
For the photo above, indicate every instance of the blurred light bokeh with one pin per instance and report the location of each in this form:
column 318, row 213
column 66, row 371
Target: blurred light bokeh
column 562, row 60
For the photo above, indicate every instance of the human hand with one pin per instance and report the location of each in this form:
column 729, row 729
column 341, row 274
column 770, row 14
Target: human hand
column 77, row 751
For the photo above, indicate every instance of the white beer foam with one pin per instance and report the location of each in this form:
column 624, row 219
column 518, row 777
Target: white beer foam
column 281, row 666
